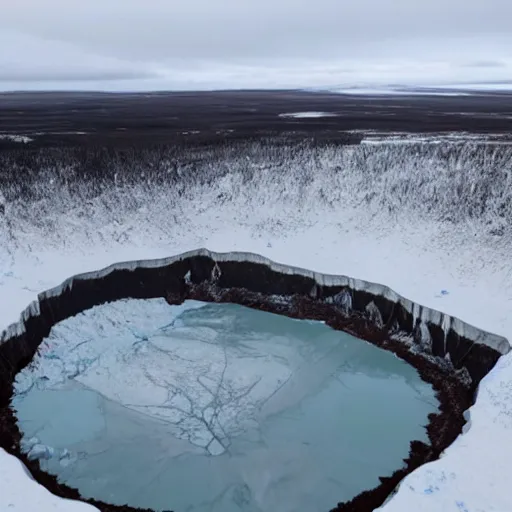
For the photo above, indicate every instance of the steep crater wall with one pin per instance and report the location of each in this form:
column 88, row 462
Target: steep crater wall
column 451, row 354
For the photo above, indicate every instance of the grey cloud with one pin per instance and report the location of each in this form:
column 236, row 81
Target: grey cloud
column 143, row 29
column 25, row 57
column 64, row 75
column 485, row 64
column 144, row 38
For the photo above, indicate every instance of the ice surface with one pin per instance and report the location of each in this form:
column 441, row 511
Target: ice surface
column 45, row 408
column 40, row 451
column 220, row 407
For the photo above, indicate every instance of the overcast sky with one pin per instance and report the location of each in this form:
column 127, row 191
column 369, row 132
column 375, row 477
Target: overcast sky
column 134, row 44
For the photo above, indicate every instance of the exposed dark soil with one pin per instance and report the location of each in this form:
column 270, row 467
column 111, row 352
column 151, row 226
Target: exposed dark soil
column 101, row 119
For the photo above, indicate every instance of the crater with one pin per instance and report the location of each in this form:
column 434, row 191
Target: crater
column 216, row 407
column 229, row 381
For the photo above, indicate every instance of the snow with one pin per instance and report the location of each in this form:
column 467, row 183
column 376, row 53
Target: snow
column 20, row 493
column 423, row 88
column 402, row 91
column 308, row 115
column 505, row 86
column 15, row 138
column 400, row 245
column 387, row 138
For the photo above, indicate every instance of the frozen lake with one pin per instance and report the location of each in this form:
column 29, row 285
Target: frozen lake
column 216, row 407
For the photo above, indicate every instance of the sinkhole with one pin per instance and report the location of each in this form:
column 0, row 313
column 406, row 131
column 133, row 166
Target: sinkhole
column 216, row 407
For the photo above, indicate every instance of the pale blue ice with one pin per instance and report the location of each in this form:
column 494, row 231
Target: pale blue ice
column 218, row 408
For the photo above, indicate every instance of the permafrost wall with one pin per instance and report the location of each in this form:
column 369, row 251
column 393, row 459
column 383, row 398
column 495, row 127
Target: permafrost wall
column 254, row 280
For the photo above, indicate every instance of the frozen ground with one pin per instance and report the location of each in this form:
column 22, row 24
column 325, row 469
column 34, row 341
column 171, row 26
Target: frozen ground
column 416, row 247
column 61, row 120
column 306, row 115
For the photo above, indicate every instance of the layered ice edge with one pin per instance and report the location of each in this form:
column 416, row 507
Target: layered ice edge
column 470, row 351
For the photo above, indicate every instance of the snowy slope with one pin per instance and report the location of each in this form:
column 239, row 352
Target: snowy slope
column 393, row 242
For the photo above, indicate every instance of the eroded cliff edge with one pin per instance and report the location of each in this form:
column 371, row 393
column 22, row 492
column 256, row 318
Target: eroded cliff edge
column 451, row 354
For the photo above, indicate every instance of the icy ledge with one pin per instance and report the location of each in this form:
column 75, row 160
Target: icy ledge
column 431, row 331
column 372, row 311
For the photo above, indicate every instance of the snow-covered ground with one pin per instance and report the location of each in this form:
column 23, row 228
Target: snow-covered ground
column 385, row 90
column 308, row 115
column 394, row 239
column 23, row 139
column 388, row 138
column 450, row 88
